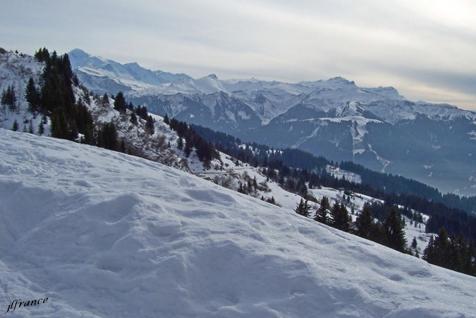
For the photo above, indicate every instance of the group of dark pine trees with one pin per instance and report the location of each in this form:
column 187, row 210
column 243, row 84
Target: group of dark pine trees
column 296, row 171
column 452, row 252
column 389, row 232
column 189, row 139
column 9, row 98
column 53, row 96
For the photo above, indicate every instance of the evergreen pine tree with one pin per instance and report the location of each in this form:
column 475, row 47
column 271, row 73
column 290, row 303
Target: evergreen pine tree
column 133, row 118
column 187, row 148
column 364, row 222
column 15, row 125
column 414, row 243
column 105, row 100
column 32, row 96
column 41, row 128
column 180, row 143
column 149, row 125
column 395, row 236
column 302, row 208
column 9, row 98
column 322, row 214
column 107, row 137
column 120, row 102
column 42, row 55
column 340, row 217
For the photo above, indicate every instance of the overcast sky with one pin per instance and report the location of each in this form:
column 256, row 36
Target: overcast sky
column 424, row 48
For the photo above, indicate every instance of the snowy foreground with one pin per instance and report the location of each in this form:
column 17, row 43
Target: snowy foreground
column 103, row 234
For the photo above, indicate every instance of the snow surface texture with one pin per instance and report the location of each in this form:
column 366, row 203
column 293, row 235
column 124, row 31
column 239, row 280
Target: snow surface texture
column 104, row 234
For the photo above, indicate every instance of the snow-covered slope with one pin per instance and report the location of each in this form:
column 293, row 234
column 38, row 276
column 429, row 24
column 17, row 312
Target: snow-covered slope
column 17, row 68
column 104, row 234
column 15, row 71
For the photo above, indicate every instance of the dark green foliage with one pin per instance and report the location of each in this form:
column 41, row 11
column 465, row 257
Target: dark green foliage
column 149, row 125
column 42, row 55
column 107, row 137
column 141, row 111
column 57, row 92
column 57, row 100
column 61, row 127
column 41, row 128
column 32, row 96
column 303, row 208
column 180, row 143
column 364, row 222
column 15, row 126
column 133, row 119
column 206, row 152
column 9, row 98
column 414, row 243
column 84, row 123
column 451, row 252
column 188, row 148
column 395, row 236
column 271, row 200
column 105, row 100
column 120, row 103
column 340, row 217
column 166, row 119
column 322, row 214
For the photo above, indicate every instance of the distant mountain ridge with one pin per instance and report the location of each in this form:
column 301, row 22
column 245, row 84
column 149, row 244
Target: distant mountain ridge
column 335, row 118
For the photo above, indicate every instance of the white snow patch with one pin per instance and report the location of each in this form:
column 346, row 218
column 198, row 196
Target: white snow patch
column 105, row 234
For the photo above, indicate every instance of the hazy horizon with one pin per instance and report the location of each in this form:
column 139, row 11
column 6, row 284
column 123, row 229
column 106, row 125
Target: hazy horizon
column 426, row 50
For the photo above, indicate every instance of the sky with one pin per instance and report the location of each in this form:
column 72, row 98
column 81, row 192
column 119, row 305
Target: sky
column 426, row 48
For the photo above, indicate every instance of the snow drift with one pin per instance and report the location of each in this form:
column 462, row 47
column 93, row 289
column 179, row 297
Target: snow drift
column 103, row 234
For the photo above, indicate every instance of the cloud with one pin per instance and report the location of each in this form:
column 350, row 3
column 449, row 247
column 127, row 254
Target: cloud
column 427, row 49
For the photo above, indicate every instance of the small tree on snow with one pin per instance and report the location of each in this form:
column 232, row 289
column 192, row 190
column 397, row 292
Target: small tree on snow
column 302, row 208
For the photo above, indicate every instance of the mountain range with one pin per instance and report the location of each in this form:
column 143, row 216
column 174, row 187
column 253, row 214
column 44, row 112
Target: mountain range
column 335, row 118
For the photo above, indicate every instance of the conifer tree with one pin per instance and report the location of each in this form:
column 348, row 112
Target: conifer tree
column 120, row 102
column 364, row 222
column 41, row 128
column 107, row 137
column 149, row 125
column 9, row 98
column 187, row 148
column 180, row 143
column 302, row 208
column 122, row 147
column 322, row 214
column 32, row 96
column 105, row 100
column 340, row 217
column 133, row 119
column 42, row 55
column 395, row 236
column 15, row 125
